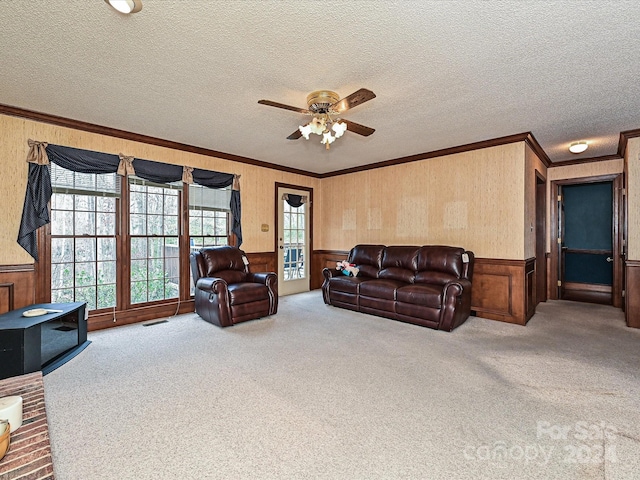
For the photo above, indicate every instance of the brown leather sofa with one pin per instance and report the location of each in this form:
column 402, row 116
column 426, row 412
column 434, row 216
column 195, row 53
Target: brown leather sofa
column 428, row 285
column 226, row 292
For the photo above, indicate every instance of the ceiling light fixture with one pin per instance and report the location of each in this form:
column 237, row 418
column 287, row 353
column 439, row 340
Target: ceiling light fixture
column 325, row 126
column 126, row 6
column 578, row 147
column 323, row 123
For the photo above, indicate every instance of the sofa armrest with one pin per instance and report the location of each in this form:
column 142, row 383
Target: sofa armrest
column 456, row 304
column 457, row 287
column 330, row 273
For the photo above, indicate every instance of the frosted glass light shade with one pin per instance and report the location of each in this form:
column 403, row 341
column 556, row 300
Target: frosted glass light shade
column 126, row 6
column 339, row 128
column 578, row 147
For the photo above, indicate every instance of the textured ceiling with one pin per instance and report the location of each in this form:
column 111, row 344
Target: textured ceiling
column 446, row 73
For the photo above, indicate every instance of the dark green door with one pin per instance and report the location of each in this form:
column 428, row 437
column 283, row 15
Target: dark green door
column 587, row 242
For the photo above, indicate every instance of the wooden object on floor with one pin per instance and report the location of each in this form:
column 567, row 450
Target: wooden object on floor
column 29, row 455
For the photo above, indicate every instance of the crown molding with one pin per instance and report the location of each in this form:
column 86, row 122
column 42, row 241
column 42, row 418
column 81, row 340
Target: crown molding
column 603, row 158
column 136, row 137
column 624, row 138
column 526, row 137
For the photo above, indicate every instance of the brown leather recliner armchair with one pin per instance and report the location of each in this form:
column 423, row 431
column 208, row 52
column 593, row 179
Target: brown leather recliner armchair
column 226, row 292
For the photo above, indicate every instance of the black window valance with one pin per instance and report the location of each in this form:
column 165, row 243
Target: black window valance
column 294, row 201
column 35, row 213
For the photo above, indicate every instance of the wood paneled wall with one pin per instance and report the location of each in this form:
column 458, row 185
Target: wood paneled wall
column 263, row 262
column 632, row 299
column 325, row 259
column 17, row 286
column 504, row 290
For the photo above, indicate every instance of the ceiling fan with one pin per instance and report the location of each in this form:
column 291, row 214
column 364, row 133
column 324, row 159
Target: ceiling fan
column 324, row 106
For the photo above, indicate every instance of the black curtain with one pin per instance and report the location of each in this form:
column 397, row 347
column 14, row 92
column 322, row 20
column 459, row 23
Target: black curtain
column 236, row 211
column 83, row 161
column 294, row 201
column 35, row 212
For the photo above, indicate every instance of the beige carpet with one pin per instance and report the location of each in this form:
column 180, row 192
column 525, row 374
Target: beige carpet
column 317, row 392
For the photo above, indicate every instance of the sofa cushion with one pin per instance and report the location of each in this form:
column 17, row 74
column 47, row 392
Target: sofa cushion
column 439, row 264
column 367, row 259
column 421, row 294
column 346, row 284
column 380, row 288
column 399, row 263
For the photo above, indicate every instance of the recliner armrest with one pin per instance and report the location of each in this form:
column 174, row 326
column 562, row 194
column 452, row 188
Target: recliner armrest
column 211, row 284
column 270, row 280
column 262, row 277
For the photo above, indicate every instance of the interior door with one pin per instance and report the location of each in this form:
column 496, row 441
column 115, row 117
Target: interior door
column 294, row 213
column 587, row 242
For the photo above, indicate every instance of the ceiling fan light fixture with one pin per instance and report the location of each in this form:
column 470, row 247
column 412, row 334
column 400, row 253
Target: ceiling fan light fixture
column 327, row 137
column 318, row 125
column 305, row 130
column 324, row 105
column 126, row 6
column 578, row 147
column 339, row 128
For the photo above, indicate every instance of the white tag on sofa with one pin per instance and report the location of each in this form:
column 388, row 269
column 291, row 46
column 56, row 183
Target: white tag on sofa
column 465, row 257
column 245, row 260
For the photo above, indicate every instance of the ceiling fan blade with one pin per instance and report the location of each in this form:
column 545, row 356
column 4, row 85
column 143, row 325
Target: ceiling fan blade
column 295, row 135
column 282, row 105
column 357, row 128
column 353, row 100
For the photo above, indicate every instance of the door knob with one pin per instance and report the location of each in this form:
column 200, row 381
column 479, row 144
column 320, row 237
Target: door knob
column 281, row 247
column 609, row 259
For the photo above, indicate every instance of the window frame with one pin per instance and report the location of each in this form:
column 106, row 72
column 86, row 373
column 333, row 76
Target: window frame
column 124, row 309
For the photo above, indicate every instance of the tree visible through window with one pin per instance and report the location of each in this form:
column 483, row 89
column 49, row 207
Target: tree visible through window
column 208, row 218
column 87, row 215
column 84, row 209
column 153, row 227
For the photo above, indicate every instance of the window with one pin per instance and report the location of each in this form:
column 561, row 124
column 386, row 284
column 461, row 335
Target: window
column 84, row 210
column 208, row 218
column 115, row 242
column 294, row 233
column 153, row 229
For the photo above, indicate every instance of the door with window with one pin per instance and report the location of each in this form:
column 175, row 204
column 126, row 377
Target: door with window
column 294, row 218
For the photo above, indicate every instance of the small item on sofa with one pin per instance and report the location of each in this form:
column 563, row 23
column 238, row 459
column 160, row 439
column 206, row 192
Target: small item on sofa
column 348, row 269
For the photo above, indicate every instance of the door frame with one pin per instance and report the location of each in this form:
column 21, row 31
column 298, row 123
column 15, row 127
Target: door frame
column 276, row 223
column 541, row 238
column 618, row 264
